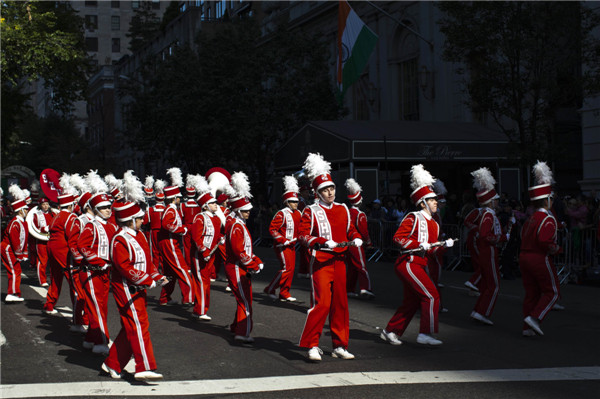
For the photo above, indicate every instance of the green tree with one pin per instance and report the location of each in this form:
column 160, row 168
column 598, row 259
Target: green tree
column 39, row 41
column 231, row 102
column 143, row 27
column 523, row 63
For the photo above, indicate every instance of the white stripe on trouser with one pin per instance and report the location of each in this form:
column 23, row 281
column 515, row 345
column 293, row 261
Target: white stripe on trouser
column 199, row 276
column 11, row 267
column 185, row 275
column 431, row 301
column 312, row 289
column 364, row 267
column 246, row 307
column 97, row 306
column 497, row 284
column 273, row 286
column 138, row 326
column 554, row 288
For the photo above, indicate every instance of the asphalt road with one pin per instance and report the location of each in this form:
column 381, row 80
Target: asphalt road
column 40, row 357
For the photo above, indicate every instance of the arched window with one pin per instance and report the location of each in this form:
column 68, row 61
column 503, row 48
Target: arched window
column 404, row 60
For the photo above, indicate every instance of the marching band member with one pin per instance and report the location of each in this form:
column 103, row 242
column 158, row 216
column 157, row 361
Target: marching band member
column 304, row 258
column 284, row 230
column 489, row 235
column 14, row 244
column 471, row 223
column 357, row 265
column 94, row 244
column 206, row 235
column 241, row 261
column 42, row 221
column 149, row 201
column 436, row 262
column 153, row 218
column 114, row 189
column 219, row 181
column 132, row 272
column 63, row 230
column 189, row 210
column 170, row 245
column 415, row 235
column 538, row 245
column 323, row 226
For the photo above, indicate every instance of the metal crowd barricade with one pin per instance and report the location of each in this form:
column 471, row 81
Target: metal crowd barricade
column 580, row 254
column 375, row 233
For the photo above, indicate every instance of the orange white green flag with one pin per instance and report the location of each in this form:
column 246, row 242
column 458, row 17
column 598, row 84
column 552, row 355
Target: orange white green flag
column 355, row 43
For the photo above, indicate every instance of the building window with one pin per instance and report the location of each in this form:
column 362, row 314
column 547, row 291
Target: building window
column 116, row 45
column 115, row 22
column 115, row 4
column 156, row 4
column 135, row 4
column 91, row 22
column 219, row 9
column 91, row 43
column 91, row 3
column 409, row 90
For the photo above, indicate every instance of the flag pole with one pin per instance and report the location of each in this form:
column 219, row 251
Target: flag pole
column 401, row 24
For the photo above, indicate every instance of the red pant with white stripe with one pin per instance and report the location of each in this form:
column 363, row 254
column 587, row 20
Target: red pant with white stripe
column 357, row 270
column 41, row 250
column 96, row 285
column 175, row 266
column 419, row 292
column 13, row 270
column 134, row 336
column 283, row 278
column 489, row 286
column 201, row 273
column 475, row 278
column 155, row 250
column 241, row 287
column 59, row 269
column 329, row 299
column 542, row 287
column 80, row 316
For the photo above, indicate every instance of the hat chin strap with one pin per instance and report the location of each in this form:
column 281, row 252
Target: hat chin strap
column 427, row 207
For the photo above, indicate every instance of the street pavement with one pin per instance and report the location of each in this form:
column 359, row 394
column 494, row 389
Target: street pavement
column 41, row 358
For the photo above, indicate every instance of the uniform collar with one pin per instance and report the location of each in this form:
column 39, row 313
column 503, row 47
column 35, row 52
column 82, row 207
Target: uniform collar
column 425, row 214
column 129, row 231
column 324, row 205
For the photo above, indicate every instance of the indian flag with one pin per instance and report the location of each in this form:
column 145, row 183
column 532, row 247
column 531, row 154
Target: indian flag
column 355, row 44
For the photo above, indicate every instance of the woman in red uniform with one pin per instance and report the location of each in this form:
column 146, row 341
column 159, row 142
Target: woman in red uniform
column 241, row 261
column 42, row 220
column 284, row 230
column 538, row 244
column 489, row 235
column 417, row 231
column 357, row 259
column 323, row 226
column 14, row 244
column 206, row 236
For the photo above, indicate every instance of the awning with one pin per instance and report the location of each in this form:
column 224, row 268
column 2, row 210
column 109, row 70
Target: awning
column 357, row 141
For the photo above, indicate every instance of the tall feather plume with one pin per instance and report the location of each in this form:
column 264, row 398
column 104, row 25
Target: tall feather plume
column 229, row 191
column 190, row 180
column 175, row 175
column 241, row 185
column 420, row 177
column 65, row 185
column 316, row 165
column 35, row 186
column 27, row 193
column 483, row 179
column 113, row 182
column 352, row 186
column 159, row 185
column 542, row 173
column 133, row 189
column 1, row 192
column 149, row 182
column 79, row 183
column 290, row 184
column 16, row 192
column 95, row 183
column 439, row 188
column 201, row 185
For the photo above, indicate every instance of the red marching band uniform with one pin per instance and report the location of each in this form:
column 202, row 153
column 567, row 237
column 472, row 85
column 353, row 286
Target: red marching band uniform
column 206, row 235
column 153, row 219
column 471, row 223
column 94, row 245
column 132, row 269
column 538, row 245
column 357, row 258
column 42, row 221
column 241, row 261
column 284, row 230
column 14, row 245
column 189, row 210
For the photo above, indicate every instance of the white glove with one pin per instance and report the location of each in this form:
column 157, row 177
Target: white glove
column 106, row 266
column 425, row 245
column 286, row 243
column 163, row 281
column 507, row 237
column 512, row 220
column 330, row 244
column 206, row 259
column 358, row 242
column 153, row 284
column 260, row 266
column 184, row 231
column 449, row 243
